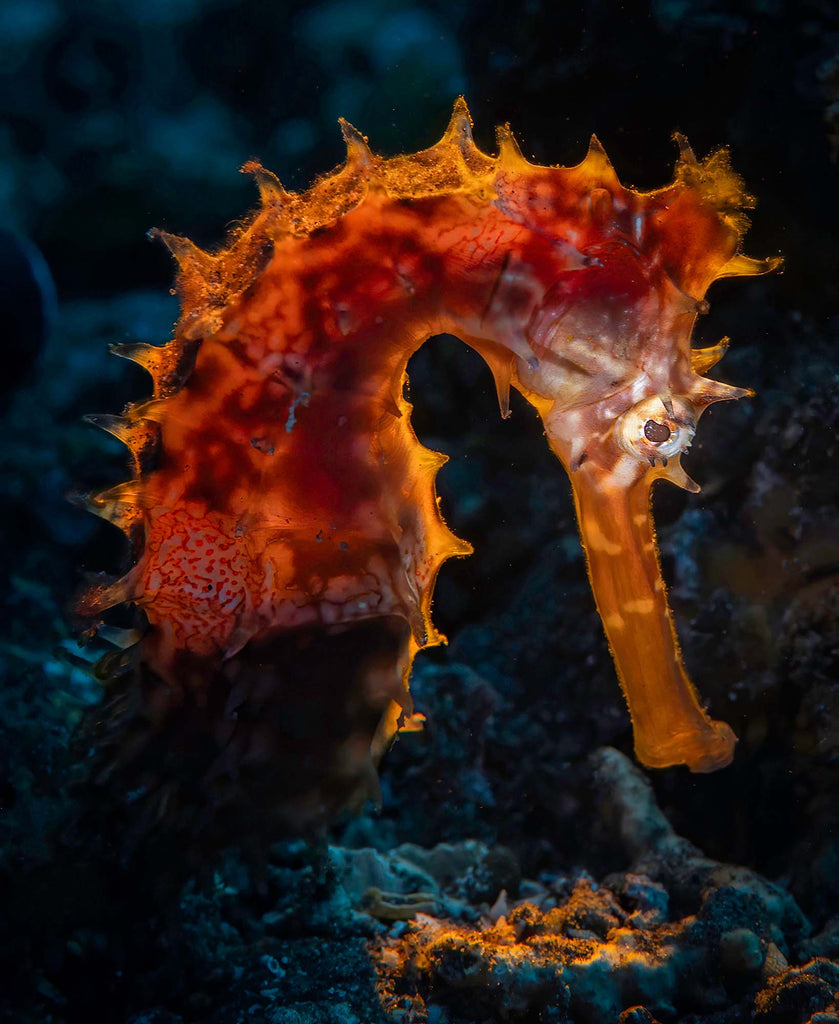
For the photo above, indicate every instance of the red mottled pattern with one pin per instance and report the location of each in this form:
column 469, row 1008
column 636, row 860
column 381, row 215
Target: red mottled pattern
column 290, row 491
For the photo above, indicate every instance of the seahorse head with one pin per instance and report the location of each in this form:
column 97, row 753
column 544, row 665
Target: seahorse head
column 621, row 393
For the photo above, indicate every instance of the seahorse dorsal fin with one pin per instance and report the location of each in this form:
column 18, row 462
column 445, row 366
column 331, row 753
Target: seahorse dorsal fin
column 122, row 639
column 116, row 426
column 157, row 360
column 509, row 151
column 706, row 392
column 117, row 505
column 745, row 266
column 459, row 131
column 598, row 164
column 460, row 123
column 359, row 155
column 703, row 359
column 105, row 592
column 674, row 472
column 191, row 259
column 141, row 353
column 139, row 435
column 271, row 191
column 686, row 153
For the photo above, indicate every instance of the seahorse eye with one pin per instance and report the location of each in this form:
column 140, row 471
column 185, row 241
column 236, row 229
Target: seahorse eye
column 656, row 432
column 656, row 428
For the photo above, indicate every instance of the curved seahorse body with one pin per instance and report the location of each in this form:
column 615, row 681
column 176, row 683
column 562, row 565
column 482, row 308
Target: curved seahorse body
column 289, row 534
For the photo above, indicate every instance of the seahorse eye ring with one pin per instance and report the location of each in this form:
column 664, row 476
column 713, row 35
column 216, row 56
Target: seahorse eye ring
column 656, row 432
column 656, row 428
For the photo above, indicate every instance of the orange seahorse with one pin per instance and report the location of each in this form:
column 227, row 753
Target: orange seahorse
column 284, row 514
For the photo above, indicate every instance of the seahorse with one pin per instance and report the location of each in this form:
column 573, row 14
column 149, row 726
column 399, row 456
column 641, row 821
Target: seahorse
column 283, row 513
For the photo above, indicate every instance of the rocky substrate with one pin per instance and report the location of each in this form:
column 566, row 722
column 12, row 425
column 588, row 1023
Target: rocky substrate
column 676, row 936
column 450, row 934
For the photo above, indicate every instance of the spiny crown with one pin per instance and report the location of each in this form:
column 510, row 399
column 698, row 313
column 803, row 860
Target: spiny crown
column 208, row 282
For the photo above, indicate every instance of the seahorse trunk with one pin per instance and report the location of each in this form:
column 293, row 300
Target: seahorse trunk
column 670, row 725
column 283, row 512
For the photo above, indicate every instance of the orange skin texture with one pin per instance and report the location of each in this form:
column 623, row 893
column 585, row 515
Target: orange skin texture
column 290, row 489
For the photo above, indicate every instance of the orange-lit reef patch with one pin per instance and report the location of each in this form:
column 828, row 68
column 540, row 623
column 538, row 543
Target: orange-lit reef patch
column 670, row 936
column 283, row 511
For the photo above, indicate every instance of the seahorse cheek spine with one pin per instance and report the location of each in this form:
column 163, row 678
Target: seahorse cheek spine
column 290, row 492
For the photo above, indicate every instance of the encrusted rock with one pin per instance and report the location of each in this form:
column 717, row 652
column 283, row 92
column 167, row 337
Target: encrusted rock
column 676, row 936
column 801, row 994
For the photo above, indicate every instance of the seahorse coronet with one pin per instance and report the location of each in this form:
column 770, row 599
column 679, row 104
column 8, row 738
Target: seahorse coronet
column 291, row 494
